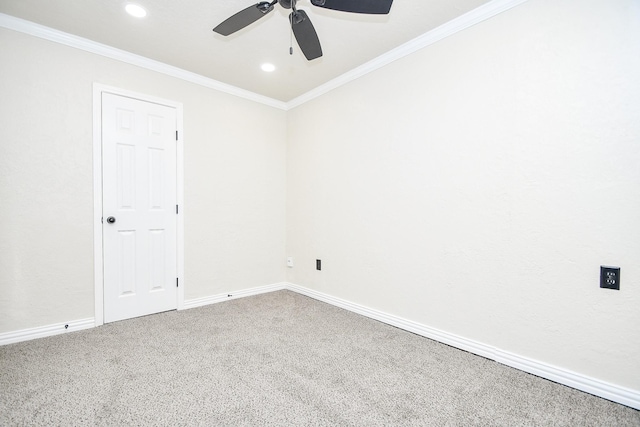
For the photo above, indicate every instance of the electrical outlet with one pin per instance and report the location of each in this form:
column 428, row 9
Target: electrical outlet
column 290, row 261
column 318, row 264
column 610, row 277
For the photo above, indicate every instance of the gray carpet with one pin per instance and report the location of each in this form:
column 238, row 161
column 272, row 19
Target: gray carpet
column 277, row 359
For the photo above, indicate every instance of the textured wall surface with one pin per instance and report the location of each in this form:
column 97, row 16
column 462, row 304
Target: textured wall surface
column 234, row 182
column 477, row 185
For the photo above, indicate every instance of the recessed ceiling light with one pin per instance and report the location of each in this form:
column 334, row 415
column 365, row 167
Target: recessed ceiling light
column 135, row 10
column 268, row 67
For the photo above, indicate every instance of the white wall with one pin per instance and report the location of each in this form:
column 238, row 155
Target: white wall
column 235, row 152
column 477, row 185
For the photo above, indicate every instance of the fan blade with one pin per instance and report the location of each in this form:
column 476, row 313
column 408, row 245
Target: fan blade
column 306, row 35
column 243, row 18
column 375, row 7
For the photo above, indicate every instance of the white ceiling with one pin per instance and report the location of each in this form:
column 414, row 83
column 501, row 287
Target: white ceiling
column 179, row 33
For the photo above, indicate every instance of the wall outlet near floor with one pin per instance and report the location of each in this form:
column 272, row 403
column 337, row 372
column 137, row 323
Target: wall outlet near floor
column 318, row 264
column 290, row 261
column 610, row 277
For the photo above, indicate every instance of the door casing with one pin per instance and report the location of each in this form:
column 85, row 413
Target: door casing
column 98, row 90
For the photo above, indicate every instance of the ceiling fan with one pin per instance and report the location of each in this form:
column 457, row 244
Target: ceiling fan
column 301, row 25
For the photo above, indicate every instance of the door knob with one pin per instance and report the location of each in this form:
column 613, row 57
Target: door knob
column 111, row 220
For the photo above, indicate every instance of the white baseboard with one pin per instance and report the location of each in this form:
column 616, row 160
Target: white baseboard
column 46, row 331
column 77, row 325
column 575, row 380
column 213, row 299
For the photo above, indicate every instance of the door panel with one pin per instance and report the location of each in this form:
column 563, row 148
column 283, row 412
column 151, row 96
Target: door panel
column 139, row 191
column 126, row 176
column 157, row 250
column 126, row 262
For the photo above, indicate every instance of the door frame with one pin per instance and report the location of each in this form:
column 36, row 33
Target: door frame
column 98, row 249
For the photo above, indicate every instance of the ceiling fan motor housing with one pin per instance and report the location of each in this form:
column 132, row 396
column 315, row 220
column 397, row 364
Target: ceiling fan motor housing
column 301, row 25
column 264, row 7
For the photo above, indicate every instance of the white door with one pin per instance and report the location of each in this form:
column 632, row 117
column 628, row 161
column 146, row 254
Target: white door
column 139, row 207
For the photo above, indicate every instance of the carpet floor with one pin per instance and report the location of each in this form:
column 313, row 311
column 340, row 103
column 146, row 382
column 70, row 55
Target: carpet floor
column 276, row 359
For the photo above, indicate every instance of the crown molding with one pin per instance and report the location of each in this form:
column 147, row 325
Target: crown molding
column 37, row 30
column 475, row 16
column 460, row 23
